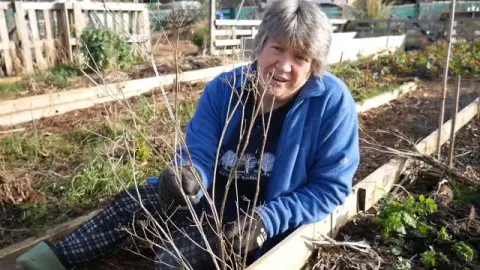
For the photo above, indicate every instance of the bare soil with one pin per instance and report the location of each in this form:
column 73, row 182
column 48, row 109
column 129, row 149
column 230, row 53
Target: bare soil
column 415, row 115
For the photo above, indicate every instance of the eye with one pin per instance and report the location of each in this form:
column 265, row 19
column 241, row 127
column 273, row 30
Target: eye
column 276, row 48
column 301, row 59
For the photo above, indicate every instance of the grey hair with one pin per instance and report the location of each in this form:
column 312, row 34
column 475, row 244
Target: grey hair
column 299, row 24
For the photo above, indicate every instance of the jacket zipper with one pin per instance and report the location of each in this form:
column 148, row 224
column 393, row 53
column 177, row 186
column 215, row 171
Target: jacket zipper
column 281, row 143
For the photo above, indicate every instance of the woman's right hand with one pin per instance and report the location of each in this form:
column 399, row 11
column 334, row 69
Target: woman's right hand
column 170, row 186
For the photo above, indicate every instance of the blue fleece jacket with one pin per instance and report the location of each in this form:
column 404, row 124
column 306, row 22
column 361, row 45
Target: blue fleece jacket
column 317, row 153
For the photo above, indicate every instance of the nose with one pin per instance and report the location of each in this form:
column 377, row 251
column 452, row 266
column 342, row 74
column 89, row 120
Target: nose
column 284, row 64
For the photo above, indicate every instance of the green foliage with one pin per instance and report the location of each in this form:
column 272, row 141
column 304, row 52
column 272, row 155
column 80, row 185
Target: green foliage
column 463, row 251
column 99, row 178
column 428, row 258
column 105, row 49
column 432, row 258
column 465, row 194
column 443, row 234
column 397, row 217
column 10, row 89
column 430, row 61
column 370, row 9
column 66, row 70
column 402, row 264
column 200, row 35
column 361, row 82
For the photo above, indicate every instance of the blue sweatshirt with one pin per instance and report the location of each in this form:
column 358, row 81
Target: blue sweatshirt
column 317, row 153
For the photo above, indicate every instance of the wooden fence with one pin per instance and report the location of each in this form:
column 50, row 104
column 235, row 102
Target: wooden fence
column 229, row 34
column 42, row 35
column 464, row 28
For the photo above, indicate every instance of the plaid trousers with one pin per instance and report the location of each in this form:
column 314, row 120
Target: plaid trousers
column 103, row 233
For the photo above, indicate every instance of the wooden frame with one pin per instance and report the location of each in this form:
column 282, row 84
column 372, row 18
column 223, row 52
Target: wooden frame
column 39, row 51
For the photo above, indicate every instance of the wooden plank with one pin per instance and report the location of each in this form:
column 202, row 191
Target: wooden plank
column 126, row 22
column 112, row 6
column 135, row 23
column 229, row 32
column 79, row 19
column 41, row 5
column 37, row 46
column 146, row 30
column 295, row 249
column 109, row 20
column 227, row 42
column 237, row 22
column 11, row 252
column 223, row 52
column 5, row 5
column 6, row 43
column 344, row 213
column 65, row 29
column 23, row 35
column 376, row 185
column 50, row 43
column 31, row 108
column 382, row 99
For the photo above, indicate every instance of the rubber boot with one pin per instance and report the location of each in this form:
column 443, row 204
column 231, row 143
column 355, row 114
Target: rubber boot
column 41, row 257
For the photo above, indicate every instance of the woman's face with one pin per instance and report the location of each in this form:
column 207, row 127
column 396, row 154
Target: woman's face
column 283, row 71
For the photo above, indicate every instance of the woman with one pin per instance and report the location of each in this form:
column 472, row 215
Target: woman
column 296, row 173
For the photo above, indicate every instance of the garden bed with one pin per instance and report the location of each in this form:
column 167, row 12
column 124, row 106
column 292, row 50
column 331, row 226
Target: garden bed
column 422, row 226
column 58, row 167
column 66, row 77
column 414, row 115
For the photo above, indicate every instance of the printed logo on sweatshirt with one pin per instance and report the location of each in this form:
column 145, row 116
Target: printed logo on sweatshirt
column 247, row 165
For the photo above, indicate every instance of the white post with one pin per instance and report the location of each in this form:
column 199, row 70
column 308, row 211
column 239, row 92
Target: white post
column 211, row 28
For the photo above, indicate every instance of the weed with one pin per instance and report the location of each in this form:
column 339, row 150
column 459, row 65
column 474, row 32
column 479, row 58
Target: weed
column 105, row 49
column 463, row 251
column 465, row 194
column 361, row 82
column 99, row 179
column 8, row 90
column 396, row 217
column 428, row 258
column 443, row 234
column 402, row 264
column 432, row 258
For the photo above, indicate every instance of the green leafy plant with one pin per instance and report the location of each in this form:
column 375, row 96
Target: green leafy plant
column 402, row 264
column 105, row 49
column 443, row 234
column 463, row 251
column 431, row 258
column 428, row 258
column 430, row 61
column 396, row 217
column 200, row 36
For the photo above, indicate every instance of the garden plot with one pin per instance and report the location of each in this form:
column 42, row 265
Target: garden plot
column 424, row 225
column 121, row 259
column 60, row 166
column 67, row 77
column 415, row 115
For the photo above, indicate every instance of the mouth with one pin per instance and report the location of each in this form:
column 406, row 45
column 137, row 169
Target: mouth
column 279, row 79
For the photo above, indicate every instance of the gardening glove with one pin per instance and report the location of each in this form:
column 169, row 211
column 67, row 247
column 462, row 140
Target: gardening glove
column 41, row 257
column 170, row 188
column 237, row 232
